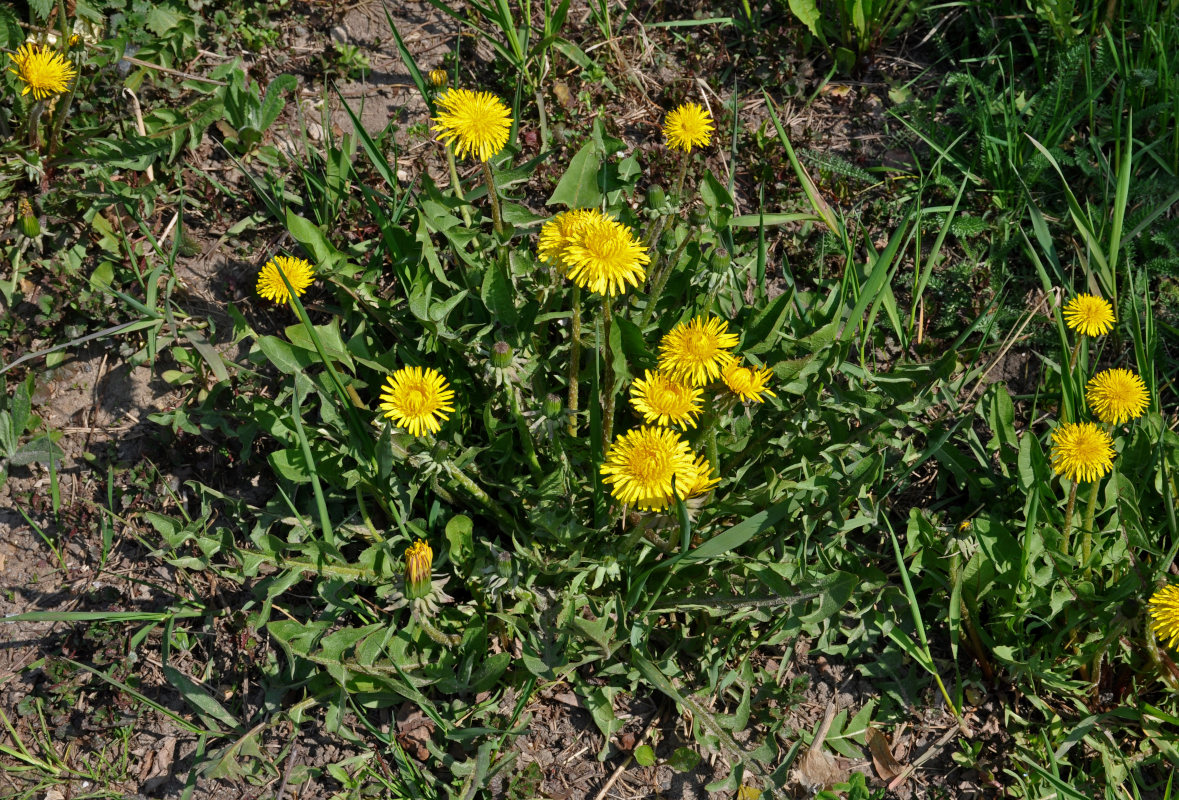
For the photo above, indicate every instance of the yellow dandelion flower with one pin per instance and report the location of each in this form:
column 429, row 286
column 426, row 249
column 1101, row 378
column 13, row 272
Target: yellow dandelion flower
column 417, row 399
column 1081, row 452
column 698, row 350
column 561, row 231
column 748, row 383
column 438, row 78
column 1117, row 396
column 664, row 400
column 641, row 464
column 702, row 481
column 1090, row 315
column 604, row 256
column 299, row 273
column 42, row 70
column 477, row 123
column 688, row 126
column 1164, row 614
column 419, row 559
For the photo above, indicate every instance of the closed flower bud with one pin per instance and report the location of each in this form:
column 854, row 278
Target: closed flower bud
column 438, row 78
column 29, row 224
column 419, row 558
column 656, row 197
column 698, row 216
column 552, row 406
column 501, row 355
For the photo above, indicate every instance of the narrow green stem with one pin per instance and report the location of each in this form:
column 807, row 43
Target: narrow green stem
column 525, row 434
column 1068, row 519
column 1072, row 359
column 608, row 375
column 63, row 107
column 1087, row 527
column 475, row 491
column 493, row 197
column 713, row 457
column 544, row 119
column 34, row 123
column 664, row 272
column 574, row 358
column 423, row 620
column 457, row 187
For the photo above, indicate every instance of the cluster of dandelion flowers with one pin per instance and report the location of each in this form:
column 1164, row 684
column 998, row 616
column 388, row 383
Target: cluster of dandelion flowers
column 642, row 464
column 417, row 399
column 299, row 274
column 1117, row 396
column 604, row 256
column 1081, row 451
column 561, row 231
column 43, row 71
column 1089, row 315
column 748, row 383
column 476, row 123
column 1164, row 614
column 665, row 400
column 688, row 126
column 698, row 351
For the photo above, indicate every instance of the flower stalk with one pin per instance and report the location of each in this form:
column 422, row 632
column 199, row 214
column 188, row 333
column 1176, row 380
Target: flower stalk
column 574, row 358
column 609, row 378
column 496, row 217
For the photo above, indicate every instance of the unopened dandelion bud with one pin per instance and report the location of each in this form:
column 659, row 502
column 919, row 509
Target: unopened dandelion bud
column 419, row 558
column 698, row 216
column 552, row 406
column 656, row 197
column 438, row 78
column 501, row 355
column 29, row 224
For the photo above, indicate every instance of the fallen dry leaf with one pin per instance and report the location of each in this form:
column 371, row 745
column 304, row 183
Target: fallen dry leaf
column 887, row 767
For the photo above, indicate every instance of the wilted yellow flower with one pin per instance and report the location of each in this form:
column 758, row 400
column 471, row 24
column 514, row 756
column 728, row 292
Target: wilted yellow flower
column 299, row 273
column 641, row 464
column 561, row 231
column 1081, row 451
column 417, row 399
column 477, row 123
column 1090, row 315
column 748, row 383
column 419, row 559
column 665, row 400
column 697, row 351
column 1117, row 396
column 42, row 70
column 688, row 126
column 603, row 256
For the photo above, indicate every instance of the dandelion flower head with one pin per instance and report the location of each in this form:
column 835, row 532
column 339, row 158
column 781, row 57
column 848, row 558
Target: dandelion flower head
column 642, row 464
column 1164, row 614
column 697, row 351
column 665, row 400
column 299, row 273
column 476, row 123
column 417, row 399
column 604, row 257
column 43, row 71
column 438, row 78
column 1081, row 451
column 688, row 126
column 561, row 231
column 702, row 481
column 748, row 383
column 1117, row 396
column 1089, row 315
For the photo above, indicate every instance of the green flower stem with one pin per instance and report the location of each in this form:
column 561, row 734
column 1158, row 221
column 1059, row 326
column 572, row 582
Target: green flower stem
column 525, row 435
column 574, row 358
column 463, row 480
column 1072, row 359
column 457, row 187
column 660, row 281
column 1087, row 527
column 679, row 178
column 1068, row 519
column 34, row 123
column 423, row 620
column 609, row 378
column 972, row 638
column 544, row 119
column 63, row 107
column 489, row 179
